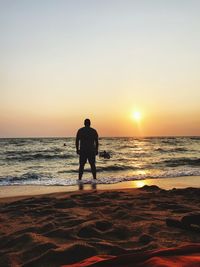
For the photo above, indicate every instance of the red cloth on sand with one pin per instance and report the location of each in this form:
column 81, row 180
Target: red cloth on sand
column 185, row 256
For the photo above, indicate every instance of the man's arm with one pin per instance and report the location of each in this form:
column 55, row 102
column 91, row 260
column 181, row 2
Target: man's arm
column 77, row 142
column 97, row 143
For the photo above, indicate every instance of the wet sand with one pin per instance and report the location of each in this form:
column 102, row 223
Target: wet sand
column 68, row 227
column 31, row 190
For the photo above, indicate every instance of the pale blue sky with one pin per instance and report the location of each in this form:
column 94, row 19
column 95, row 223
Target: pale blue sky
column 62, row 61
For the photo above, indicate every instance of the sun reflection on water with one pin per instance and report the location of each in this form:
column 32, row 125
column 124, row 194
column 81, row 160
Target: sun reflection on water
column 139, row 183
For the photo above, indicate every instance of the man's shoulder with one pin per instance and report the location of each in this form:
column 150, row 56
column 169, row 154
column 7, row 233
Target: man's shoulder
column 81, row 129
column 93, row 130
column 87, row 130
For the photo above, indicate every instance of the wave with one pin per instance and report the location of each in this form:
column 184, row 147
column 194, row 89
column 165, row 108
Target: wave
column 116, row 168
column 112, row 168
column 195, row 138
column 25, row 152
column 129, row 146
column 37, row 156
column 19, row 179
column 174, row 140
column 48, row 179
column 176, row 149
column 180, row 162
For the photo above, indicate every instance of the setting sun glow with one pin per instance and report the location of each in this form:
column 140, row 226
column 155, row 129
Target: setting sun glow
column 136, row 116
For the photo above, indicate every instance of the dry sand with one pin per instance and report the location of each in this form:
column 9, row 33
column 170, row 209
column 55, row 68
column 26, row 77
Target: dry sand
column 65, row 228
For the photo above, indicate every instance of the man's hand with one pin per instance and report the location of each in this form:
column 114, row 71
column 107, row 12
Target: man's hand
column 78, row 151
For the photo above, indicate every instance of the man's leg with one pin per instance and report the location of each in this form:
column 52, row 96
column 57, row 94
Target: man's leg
column 82, row 161
column 91, row 159
column 81, row 169
column 93, row 169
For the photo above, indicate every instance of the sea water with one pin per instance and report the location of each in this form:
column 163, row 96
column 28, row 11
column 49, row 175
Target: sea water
column 47, row 161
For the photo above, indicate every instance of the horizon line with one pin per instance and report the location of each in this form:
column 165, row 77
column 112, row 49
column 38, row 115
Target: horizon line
column 145, row 136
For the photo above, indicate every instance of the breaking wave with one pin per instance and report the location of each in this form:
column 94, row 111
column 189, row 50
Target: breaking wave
column 48, row 179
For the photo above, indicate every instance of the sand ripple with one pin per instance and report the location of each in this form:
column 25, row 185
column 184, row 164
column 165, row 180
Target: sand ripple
column 65, row 228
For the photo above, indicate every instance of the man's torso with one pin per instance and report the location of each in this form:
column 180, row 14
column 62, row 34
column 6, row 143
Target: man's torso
column 87, row 137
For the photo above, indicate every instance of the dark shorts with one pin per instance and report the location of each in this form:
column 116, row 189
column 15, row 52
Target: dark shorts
column 87, row 155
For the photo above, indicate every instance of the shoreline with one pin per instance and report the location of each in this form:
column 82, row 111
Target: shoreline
column 17, row 191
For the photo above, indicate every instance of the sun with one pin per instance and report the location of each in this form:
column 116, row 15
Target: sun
column 136, row 115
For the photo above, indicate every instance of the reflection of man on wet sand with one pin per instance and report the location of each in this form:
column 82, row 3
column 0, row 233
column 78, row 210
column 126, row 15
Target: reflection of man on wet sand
column 87, row 147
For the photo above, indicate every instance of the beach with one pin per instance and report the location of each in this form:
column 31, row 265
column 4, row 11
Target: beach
column 98, row 226
column 134, row 212
column 99, row 133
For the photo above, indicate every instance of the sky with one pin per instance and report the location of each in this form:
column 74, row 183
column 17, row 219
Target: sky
column 62, row 61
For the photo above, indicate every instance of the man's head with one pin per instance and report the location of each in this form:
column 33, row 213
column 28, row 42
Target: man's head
column 87, row 122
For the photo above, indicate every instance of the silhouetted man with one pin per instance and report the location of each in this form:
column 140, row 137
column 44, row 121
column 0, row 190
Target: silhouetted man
column 87, row 147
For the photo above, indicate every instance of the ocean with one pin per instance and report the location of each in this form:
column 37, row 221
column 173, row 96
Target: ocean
column 46, row 161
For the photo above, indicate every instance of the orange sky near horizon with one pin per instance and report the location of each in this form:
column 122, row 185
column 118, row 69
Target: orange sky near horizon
column 124, row 125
